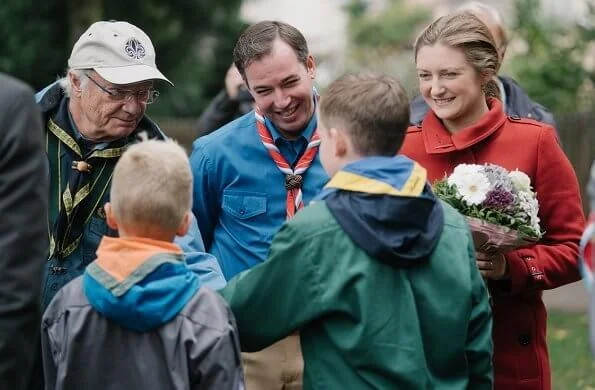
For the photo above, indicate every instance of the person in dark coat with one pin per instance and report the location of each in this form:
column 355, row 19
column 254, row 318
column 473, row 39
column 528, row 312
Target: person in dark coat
column 515, row 100
column 23, row 234
column 230, row 103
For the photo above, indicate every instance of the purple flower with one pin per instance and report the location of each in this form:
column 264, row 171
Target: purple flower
column 499, row 199
column 498, row 176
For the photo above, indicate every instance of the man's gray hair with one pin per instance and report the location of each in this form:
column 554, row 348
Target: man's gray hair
column 65, row 81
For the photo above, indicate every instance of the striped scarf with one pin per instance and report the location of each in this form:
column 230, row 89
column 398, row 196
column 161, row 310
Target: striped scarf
column 293, row 177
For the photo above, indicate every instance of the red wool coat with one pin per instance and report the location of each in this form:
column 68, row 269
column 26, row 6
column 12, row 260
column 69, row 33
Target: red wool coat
column 520, row 351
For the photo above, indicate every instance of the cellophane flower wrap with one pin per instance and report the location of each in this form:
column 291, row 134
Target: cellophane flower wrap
column 500, row 205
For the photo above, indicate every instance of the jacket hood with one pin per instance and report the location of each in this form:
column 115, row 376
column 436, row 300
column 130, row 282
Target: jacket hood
column 139, row 283
column 386, row 206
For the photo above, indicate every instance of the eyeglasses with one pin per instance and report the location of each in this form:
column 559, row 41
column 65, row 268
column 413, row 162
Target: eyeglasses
column 146, row 96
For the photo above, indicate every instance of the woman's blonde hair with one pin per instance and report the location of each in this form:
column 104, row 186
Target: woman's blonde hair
column 152, row 187
column 467, row 32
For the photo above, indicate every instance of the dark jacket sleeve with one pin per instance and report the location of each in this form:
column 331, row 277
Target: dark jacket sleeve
column 417, row 110
column 520, row 104
column 220, row 111
column 23, row 231
column 215, row 356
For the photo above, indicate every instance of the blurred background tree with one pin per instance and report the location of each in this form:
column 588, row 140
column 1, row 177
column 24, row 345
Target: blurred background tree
column 193, row 38
column 383, row 40
column 551, row 58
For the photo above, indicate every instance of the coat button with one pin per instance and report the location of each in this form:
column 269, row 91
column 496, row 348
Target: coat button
column 524, row 339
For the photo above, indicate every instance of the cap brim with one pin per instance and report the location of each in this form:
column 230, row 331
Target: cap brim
column 131, row 74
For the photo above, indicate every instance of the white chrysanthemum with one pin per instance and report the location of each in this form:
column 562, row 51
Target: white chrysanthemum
column 520, row 180
column 461, row 172
column 529, row 204
column 473, row 187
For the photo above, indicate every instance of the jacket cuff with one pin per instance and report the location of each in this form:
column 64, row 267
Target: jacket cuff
column 525, row 273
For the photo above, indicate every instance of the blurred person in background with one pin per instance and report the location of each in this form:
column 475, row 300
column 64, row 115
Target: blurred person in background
column 231, row 103
column 515, row 100
column 23, row 234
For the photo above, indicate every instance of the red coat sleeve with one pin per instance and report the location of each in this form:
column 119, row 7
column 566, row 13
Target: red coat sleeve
column 553, row 262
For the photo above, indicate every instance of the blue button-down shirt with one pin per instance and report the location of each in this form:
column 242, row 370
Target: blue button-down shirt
column 239, row 192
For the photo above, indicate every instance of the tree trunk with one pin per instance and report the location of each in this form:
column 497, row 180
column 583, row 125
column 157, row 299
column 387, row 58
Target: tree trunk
column 81, row 15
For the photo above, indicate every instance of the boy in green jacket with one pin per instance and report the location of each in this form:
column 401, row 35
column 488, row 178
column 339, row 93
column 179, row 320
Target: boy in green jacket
column 378, row 275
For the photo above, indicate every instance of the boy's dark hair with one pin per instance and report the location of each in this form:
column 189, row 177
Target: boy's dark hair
column 257, row 41
column 373, row 108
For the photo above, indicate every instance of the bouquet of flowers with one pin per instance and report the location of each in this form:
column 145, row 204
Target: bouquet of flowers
column 500, row 206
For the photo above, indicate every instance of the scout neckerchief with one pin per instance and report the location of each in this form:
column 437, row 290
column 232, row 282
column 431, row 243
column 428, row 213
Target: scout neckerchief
column 293, row 177
column 72, row 203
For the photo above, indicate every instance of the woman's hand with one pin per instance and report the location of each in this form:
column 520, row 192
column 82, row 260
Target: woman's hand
column 492, row 266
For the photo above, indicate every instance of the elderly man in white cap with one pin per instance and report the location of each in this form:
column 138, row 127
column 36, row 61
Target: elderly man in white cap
column 91, row 116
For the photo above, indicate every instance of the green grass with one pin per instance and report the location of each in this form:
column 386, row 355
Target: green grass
column 573, row 365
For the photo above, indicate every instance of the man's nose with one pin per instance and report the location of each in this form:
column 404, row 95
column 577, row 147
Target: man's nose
column 281, row 99
column 133, row 105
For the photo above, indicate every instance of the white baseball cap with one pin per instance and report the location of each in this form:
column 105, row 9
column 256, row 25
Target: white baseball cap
column 119, row 52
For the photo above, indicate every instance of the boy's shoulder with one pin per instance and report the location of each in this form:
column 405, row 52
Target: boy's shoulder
column 314, row 219
column 70, row 296
column 452, row 218
column 207, row 309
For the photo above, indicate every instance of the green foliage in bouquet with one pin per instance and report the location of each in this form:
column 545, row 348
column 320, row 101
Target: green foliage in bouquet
column 514, row 221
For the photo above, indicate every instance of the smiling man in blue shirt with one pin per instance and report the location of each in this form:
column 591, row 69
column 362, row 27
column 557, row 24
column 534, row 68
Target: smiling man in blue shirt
column 256, row 172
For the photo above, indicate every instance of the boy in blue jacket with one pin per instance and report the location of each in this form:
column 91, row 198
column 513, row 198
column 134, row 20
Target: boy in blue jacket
column 139, row 317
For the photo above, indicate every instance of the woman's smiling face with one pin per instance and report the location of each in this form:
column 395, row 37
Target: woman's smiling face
column 450, row 85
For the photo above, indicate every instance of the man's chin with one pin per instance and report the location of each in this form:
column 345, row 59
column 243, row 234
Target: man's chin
column 119, row 132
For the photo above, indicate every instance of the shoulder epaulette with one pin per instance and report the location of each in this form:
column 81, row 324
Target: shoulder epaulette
column 414, row 128
column 524, row 121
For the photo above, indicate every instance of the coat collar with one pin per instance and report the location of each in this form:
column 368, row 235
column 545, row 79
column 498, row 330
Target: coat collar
column 438, row 140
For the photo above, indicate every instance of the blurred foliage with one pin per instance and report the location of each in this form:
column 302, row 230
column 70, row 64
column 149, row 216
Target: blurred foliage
column 572, row 363
column 394, row 28
column 382, row 41
column 193, row 39
column 551, row 68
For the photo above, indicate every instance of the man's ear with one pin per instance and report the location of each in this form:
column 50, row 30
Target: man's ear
column 110, row 219
column 75, row 82
column 185, row 224
column 311, row 66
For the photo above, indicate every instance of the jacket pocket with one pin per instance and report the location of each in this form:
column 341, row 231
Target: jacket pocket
column 244, row 205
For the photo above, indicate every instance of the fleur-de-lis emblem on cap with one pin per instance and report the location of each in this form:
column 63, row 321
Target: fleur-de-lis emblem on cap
column 134, row 49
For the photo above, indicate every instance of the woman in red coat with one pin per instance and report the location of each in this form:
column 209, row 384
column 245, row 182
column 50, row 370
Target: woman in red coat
column 456, row 62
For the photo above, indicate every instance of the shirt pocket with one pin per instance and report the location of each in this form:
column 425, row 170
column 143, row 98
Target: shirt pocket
column 244, row 205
